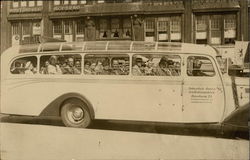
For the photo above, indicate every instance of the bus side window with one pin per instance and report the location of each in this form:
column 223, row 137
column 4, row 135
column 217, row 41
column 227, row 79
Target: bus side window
column 61, row 64
column 156, row 65
column 199, row 66
column 106, row 64
column 25, row 65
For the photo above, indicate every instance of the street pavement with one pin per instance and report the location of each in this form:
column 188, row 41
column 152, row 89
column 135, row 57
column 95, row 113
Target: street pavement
column 35, row 141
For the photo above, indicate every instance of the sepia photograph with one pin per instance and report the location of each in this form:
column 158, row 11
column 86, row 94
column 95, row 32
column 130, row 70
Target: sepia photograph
column 124, row 79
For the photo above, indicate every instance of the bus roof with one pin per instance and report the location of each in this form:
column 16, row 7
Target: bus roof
column 131, row 46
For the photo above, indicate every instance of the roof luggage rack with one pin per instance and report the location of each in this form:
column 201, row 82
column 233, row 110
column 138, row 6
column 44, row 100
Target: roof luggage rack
column 101, row 46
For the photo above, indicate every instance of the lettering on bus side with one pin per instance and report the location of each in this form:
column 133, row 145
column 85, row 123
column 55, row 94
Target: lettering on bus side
column 199, row 66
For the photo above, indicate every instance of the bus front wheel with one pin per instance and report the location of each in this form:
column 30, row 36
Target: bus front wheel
column 75, row 113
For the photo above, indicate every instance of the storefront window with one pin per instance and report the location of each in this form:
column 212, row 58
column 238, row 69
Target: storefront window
column 215, row 29
column 229, row 29
column 104, row 33
column 201, row 29
column 127, row 28
column 115, row 28
column 163, row 27
column 57, row 29
column 15, row 33
column 175, row 29
column 150, row 30
column 26, row 33
column 79, row 27
column 15, row 28
column 68, row 27
column 79, row 30
column 26, row 28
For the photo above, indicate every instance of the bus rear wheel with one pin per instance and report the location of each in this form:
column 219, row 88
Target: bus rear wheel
column 75, row 113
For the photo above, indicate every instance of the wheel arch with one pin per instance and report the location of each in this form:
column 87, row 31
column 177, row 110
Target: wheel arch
column 54, row 108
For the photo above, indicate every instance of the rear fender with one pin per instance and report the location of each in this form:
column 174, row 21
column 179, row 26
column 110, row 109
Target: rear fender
column 53, row 109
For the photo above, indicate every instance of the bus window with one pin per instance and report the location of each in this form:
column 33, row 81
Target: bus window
column 61, row 64
column 106, row 64
column 199, row 66
column 25, row 65
column 156, row 65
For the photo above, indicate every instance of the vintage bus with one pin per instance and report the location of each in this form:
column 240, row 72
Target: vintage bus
column 121, row 80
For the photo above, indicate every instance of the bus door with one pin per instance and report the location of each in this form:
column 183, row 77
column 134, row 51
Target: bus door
column 203, row 93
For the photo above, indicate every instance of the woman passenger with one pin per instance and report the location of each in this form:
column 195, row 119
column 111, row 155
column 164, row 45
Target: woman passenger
column 87, row 69
column 53, row 67
column 29, row 68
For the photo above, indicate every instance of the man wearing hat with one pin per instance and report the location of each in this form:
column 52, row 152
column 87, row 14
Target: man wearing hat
column 138, row 68
column 70, row 68
column 162, row 69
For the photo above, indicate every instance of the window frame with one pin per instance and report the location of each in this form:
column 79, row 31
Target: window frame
column 213, row 63
column 20, row 57
column 110, row 55
column 171, row 54
column 68, row 54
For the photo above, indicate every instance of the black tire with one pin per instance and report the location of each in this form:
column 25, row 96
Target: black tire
column 75, row 113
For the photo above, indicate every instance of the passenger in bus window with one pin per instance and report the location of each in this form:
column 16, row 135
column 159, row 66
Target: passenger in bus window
column 115, row 67
column 17, row 69
column 70, row 68
column 87, row 69
column 122, row 68
column 197, row 68
column 138, row 68
column 177, row 67
column 44, row 70
column 63, row 64
column 171, row 68
column 162, row 68
column 99, row 68
column 149, row 68
column 29, row 68
column 106, row 68
column 78, row 65
column 53, row 67
column 92, row 68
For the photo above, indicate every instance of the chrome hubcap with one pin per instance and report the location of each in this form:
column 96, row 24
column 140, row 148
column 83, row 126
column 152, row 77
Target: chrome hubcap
column 76, row 114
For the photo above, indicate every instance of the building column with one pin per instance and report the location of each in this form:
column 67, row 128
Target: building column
column 188, row 22
column 244, row 20
column 5, row 27
column 47, row 26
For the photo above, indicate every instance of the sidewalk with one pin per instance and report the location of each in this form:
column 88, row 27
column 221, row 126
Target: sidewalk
column 29, row 142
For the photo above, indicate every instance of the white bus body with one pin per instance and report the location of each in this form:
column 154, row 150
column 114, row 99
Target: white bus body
column 175, row 99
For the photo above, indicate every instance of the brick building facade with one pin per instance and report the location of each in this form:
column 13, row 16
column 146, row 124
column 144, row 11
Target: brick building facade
column 214, row 22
